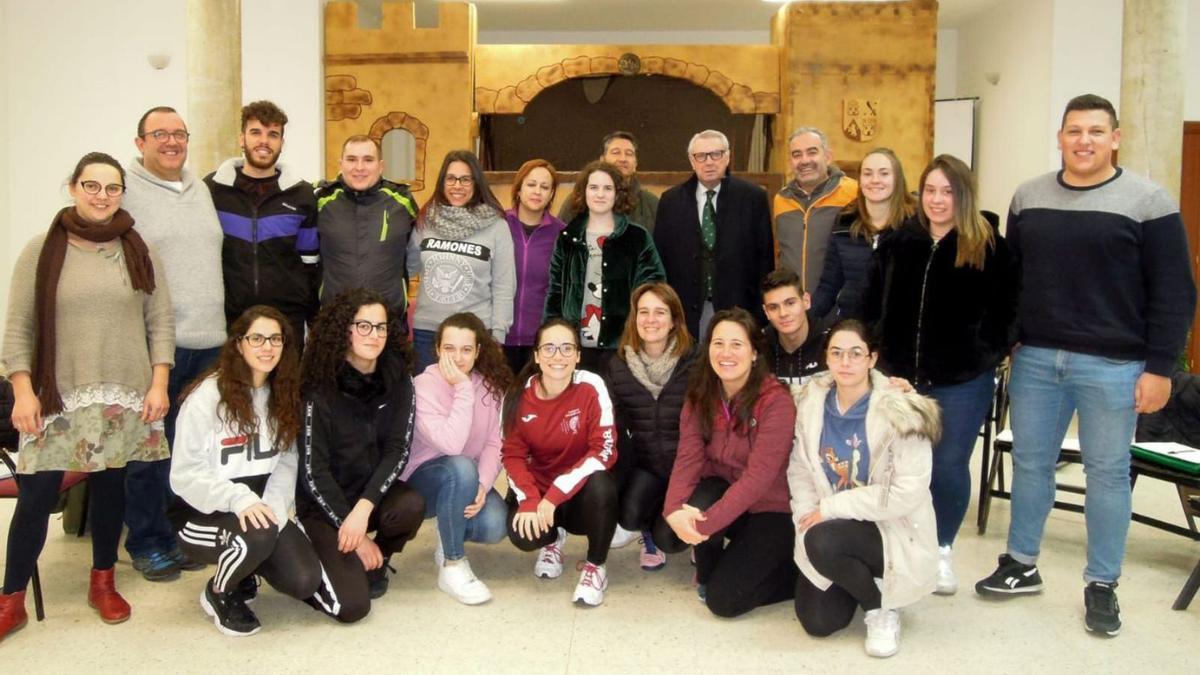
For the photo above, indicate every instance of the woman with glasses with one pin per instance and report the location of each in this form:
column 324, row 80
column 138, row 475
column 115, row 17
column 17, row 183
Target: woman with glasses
column 534, row 232
column 648, row 380
column 463, row 252
column 942, row 299
column 88, row 344
column 728, row 494
column 456, row 449
column 884, row 205
column 233, row 468
column 559, row 444
column 859, row 480
column 598, row 260
column 354, row 444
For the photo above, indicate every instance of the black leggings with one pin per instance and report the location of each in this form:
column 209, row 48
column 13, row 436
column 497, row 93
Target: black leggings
column 38, row 493
column 755, row 567
column 641, row 501
column 346, row 597
column 591, row 512
column 283, row 557
column 850, row 554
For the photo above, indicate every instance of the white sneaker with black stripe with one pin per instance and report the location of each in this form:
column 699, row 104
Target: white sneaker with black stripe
column 1010, row 578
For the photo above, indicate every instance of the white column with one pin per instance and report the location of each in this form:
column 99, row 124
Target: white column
column 214, row 83
column 1152, row 89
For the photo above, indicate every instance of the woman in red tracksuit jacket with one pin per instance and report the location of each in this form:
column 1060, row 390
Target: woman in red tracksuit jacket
column 559, row 443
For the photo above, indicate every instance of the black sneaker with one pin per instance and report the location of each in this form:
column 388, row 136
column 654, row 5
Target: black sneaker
column 1103, row 612
column 377, row 582
column 1010, row 578
column 230, row 615
column 247, row 588
column 184, row 562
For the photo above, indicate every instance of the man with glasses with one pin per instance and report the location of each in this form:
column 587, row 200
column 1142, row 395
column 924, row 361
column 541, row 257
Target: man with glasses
column 807, row 208
column 174, row 213
column 713, row 233
column 268, row 214
column 619, row 148
column 364, row 222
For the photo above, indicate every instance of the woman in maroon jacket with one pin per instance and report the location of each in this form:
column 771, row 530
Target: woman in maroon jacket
column 730, row 477
column 559, row 443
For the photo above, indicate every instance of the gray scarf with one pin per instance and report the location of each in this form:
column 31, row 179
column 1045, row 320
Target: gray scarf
column 459, row 222
column 652, row 373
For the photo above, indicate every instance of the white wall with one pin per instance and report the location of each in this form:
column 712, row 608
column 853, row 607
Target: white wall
column 1191, row 68
column 1085, row 57
column 946, row 74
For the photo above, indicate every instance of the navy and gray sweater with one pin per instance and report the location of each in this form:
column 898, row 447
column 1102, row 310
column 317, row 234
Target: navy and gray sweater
column 1105, row 269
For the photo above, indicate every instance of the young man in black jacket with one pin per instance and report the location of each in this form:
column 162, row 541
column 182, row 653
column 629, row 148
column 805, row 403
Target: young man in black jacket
column 713, row 234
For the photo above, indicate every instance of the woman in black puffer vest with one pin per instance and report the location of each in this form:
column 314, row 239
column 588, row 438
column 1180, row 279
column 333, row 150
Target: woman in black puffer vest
column 647, row 381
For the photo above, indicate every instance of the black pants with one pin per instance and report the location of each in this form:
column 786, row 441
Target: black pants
column 591, row 512
column 517, row 357
column 37, row 496
column 748, row 564
column 395, row 521
column 641, row 495
column 850, row 554
column 282, row 556
column 595, row 359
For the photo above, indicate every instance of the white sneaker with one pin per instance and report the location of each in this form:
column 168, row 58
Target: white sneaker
column 549, row 563
column 622, row 538
column 883, row 632
column 947, row 581
column 459, row 582
column 592, row 584
column 439, row 556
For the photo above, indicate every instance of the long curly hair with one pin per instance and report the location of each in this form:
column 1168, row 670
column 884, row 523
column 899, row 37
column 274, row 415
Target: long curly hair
column 235, row 381
column 512, row 401
column 704, row 389
column 329, row 340
column 623, row 201
column 489, row 359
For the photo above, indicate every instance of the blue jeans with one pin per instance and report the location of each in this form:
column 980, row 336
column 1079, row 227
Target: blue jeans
column 1048, row 386
column 147, row 484
column 423, row 351
column 964, row 407
column 449, row 484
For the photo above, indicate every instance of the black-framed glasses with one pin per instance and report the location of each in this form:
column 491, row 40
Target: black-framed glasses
column 465, row 181
column 364, row 328
column 93, row 187
column 258, row 339
column 161, row 135
column 567, row 349
column 704, row 156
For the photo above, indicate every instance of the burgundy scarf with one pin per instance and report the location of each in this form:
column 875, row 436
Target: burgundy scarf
column 49, row 269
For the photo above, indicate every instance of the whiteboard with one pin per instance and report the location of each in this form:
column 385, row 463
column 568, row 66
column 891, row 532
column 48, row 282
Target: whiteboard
column 954, row 128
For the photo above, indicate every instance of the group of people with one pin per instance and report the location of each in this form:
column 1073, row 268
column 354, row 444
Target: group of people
column 675, row 383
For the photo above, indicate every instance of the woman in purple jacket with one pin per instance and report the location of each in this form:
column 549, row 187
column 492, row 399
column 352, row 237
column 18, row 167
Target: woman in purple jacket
column 534, row 231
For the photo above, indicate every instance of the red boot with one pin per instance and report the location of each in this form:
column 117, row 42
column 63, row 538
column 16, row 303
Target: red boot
column 104, row 598
column 12, row 613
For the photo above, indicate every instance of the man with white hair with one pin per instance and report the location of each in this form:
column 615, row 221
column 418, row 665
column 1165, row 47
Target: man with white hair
column 713, row 233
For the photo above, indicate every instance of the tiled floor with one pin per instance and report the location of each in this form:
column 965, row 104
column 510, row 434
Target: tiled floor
column 650, row 622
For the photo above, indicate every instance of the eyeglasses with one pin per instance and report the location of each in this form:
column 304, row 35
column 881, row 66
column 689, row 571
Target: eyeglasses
column 364, row 328
column 855, row 355
column 465, row 181
column 161, row 135
column 714, row 155
column 93, row 187
column 257, row 340
column 547, row 350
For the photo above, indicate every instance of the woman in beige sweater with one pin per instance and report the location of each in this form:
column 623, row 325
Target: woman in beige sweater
column 88, row 344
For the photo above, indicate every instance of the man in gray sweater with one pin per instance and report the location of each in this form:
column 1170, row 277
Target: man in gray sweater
column 174, row 213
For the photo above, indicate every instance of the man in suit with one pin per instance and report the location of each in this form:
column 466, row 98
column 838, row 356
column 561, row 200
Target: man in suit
column 713, row 233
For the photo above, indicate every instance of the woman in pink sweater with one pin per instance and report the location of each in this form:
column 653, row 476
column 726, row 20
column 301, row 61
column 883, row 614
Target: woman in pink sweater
column 455, row 454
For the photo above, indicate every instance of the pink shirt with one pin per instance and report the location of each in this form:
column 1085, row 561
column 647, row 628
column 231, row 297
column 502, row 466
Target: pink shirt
column 463, row 419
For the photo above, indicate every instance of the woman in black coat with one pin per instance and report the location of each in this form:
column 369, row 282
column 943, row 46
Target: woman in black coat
column 647, row 381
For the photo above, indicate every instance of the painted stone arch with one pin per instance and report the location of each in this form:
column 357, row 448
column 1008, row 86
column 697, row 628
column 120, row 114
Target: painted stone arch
column 420, row 134
column 512, row 99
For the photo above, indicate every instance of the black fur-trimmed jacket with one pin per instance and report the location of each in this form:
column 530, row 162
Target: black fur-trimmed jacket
column 938, row 324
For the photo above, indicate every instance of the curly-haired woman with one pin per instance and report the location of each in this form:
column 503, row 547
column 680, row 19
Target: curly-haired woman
column 234, row 469
column 358, row 420
column 456, row 448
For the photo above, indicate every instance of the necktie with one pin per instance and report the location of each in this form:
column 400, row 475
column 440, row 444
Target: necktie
column 708, row 224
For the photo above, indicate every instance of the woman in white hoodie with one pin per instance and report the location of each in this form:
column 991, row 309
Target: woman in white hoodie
column 234, row 469
column 859, row 483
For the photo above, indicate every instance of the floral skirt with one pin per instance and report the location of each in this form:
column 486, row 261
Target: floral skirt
column 92, row 437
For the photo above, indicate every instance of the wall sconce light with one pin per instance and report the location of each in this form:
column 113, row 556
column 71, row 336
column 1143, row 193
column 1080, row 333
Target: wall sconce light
column 992, row 77
column 159, row 60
